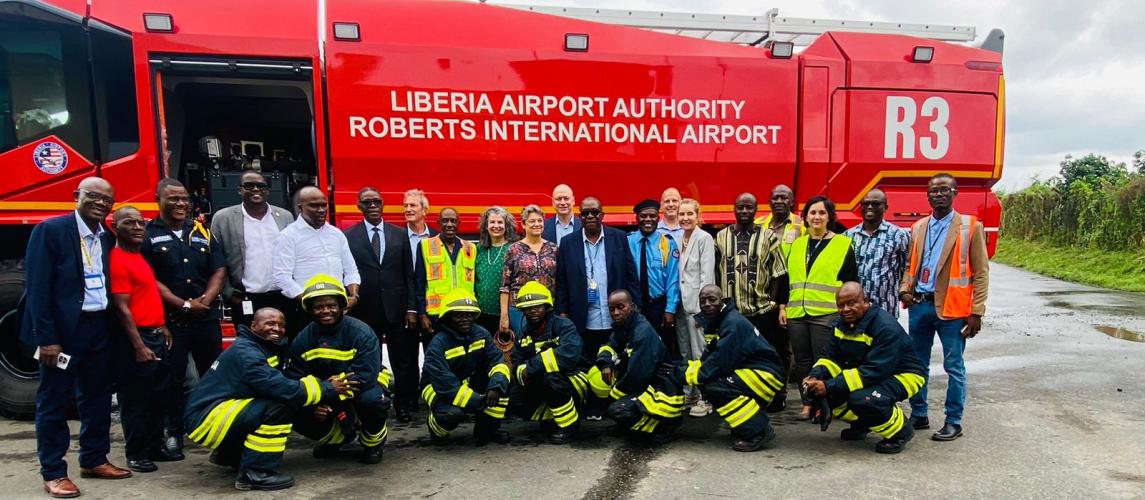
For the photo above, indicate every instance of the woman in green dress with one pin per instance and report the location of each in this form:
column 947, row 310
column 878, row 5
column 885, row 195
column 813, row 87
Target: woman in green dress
column 497, row 230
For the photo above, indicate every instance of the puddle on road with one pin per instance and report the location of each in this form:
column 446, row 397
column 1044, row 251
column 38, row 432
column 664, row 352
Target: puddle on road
column 1120, row 333
column 1095, row 301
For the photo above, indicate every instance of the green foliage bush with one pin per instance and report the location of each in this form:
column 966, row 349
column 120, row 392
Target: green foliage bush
column 1095, row 203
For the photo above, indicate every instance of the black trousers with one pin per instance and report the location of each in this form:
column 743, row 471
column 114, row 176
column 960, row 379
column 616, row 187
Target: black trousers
column 768, row 326
column 142, row 388
column 403, row 345
column 553, row 396
column 260, row 300
column 591, row 342
column 88, row 380
column 743, row 409
column 250, row 433
column 654, row 312
column 202, row 340
column 364, row 415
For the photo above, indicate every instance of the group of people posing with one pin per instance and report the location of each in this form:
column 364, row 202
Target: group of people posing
column 565, row 319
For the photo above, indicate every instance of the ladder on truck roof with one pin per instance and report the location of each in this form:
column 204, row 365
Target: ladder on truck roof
column 749, row 30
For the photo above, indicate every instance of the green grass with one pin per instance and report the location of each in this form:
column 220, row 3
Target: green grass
column 1106, row 269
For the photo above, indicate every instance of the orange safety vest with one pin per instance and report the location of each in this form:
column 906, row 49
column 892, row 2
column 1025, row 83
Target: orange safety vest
column 443, row 275
column 960, row 288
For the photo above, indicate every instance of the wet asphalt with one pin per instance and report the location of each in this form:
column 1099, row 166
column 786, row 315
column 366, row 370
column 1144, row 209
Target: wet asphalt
column 1056, row 409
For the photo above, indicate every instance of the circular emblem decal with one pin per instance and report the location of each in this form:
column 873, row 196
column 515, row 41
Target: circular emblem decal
column 50, row 158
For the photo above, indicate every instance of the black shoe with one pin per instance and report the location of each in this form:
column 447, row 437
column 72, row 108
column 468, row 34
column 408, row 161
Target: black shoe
column 264, row 481
column 948, row 432
column 755, row 444
column 563, row 436
column 142, row 465
column 854, row 433
column 777, row 405
column 371, row 455
column 661, row 439
column 440, row 440
column 919, row 423
column 405, row 416
column 174, row 445
column 896, row 442
column 218, row 459
column 490, row 435
column 165, row 454
column 326, row 450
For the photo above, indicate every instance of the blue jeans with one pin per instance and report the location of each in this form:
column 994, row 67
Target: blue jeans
column 924, row 323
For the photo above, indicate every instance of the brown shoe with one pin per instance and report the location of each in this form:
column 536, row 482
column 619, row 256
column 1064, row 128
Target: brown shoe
column 61, row 488
column 105, row 471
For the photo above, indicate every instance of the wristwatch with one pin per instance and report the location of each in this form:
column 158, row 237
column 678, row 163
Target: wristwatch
column 186, row 306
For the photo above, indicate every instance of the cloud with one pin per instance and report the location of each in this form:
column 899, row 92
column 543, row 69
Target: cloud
column 1074, row 70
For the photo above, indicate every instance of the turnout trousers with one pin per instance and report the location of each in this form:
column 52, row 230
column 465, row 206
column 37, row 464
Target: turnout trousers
column 363, row 416
column 875, row 407
column 741, row 399
column 249, row 432
column 446, row 415
column 554, row 397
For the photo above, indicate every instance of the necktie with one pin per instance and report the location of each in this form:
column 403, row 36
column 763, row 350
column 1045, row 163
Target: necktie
column 376, row 244
column 644, row 270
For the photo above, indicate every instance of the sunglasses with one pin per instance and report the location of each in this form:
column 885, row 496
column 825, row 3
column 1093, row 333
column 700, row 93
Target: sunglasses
column 255, row 186
column 591, row 212
column 370, row 203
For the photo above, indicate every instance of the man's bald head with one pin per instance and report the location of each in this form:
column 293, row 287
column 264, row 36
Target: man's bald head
column 94, row 199
column 268, row 324
column 265, row 312
column 852, row 302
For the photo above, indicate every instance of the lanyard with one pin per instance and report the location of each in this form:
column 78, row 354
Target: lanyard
column 931, row 234
column 593, row 250
column 88, row 250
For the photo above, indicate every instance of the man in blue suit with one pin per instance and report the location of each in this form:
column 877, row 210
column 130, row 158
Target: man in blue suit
column 66, row 275
column 593, row 263
column 565, row 222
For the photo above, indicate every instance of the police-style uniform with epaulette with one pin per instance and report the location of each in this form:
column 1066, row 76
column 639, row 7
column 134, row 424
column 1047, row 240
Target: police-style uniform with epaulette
column 547, row 356
column 349, row 348
column 740, row 373
column 460, row 368
column 642, row 399
column 867, row 368
column 242, row 408
column 184, row 263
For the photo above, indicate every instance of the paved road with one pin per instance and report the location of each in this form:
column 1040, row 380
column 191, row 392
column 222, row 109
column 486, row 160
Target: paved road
column 1056, row 410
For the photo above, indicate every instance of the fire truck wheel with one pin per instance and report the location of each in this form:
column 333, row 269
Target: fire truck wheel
column 19, row 373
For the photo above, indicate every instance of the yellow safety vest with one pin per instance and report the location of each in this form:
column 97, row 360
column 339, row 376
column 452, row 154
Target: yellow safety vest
column 441, row 276
column 813, row 293
column 791, row 231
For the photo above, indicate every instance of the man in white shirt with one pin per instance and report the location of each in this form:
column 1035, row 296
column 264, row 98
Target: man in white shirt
column 416, row 205
column 670, row 223
column 249, row 232
column 308, row 247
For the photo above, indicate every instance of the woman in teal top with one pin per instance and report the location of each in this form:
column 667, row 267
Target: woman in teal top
column 497, row 230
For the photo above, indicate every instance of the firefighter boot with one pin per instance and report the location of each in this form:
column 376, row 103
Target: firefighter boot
column 326, row 450
column 488, row 429
column 564, row 435
column 370, row 455
column 251, row 479
column 756, row 444
column 854, row 433
column 896, row 442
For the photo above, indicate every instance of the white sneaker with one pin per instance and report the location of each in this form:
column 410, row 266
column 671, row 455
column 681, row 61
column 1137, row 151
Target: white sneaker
column 701, row 409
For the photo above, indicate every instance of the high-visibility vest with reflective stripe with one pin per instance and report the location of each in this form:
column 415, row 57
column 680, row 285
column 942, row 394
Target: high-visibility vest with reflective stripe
column 960, row 289
column 791, row 232
column 441, row 275
column 813, row 293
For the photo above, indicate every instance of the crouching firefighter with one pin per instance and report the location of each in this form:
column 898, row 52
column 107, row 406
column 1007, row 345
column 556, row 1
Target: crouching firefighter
column 865, row 370
column 740, row 373
column 242, row 407
column 464, row 373
column 337, row 345
column 627, row 373
column 548, row 366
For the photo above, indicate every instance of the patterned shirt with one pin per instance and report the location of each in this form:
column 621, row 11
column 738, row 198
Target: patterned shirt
column 746, row 264
column 523, row 266
column 882, row 261
column 487, row 287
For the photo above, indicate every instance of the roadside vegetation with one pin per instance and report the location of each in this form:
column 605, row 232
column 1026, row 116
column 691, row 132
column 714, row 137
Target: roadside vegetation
column 1086, row 224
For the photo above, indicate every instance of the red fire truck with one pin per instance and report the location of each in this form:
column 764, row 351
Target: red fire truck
column 476, row 104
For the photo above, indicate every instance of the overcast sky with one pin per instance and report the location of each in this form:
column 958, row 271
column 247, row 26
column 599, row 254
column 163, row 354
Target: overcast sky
column 1075, row 71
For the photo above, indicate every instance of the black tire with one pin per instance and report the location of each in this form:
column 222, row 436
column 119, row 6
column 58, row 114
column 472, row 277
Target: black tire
column 19, row 373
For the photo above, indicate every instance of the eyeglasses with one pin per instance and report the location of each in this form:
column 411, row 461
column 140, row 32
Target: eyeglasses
column 872, row 203
column 102, row 198
column 944, row 190
column 255, row 186
column 370, row 203
column 591, row 212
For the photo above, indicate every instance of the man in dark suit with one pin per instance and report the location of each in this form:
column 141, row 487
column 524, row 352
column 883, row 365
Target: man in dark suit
column 386, row 302
column 564, row 222
column 593, row 263
column 67, row 270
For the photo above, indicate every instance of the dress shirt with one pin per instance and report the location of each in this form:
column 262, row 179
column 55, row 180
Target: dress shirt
column 935, row 238
column 414, row 239
column 562, row 230
column 663, row 270
column 303, row 252
column 596, row 268
column 259, row 239
column 677, row 233
column 380, row 230
column 91, row 253
column 882, row 261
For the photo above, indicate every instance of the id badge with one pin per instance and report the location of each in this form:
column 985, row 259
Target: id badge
column 593, row 292
column 248, row 308
column 93, row 281
column 925, row 275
